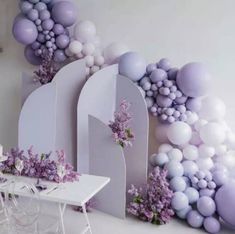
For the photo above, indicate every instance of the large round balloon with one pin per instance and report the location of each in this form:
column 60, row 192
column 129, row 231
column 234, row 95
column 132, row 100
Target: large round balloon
column 212, row 134
column 225, row 202
column 84, row 31
column 114, row 51
column 212, row 108
column 64, row 13
column 193, row 79
column 31, row 57
column 24, row 31
column 179, row 133
column 132, row 65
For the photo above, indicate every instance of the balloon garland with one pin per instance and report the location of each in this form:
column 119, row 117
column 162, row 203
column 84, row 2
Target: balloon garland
column 198, row 147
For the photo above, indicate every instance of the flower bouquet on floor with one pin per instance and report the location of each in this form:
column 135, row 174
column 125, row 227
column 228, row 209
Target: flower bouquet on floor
column 152, row 202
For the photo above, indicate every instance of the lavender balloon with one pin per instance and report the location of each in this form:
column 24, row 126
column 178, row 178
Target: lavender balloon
column 211, row 225
column 193, row 79
column 225, row 202
column 132, row 65
column 62, row 41
column 59, row 56
column 64, row 13
column 47, row 24
column 194, row 219
column 24, row 31
column 25, row 7
column 31, row 57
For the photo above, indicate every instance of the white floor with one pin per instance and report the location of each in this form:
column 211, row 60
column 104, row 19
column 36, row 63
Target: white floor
column 105, row 224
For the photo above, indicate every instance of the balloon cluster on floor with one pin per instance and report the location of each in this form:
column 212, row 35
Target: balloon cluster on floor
column 46, row 26
column 198, row 147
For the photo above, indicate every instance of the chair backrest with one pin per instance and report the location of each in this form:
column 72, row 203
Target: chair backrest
column 22, row 203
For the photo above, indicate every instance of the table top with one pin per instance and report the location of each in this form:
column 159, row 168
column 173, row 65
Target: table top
column 72, row 193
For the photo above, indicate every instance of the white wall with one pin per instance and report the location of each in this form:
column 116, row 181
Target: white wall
column 182, row 30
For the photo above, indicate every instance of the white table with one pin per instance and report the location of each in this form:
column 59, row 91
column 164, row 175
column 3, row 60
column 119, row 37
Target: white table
column 71, row 193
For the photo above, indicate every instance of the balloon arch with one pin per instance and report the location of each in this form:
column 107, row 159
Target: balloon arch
column 199, row 147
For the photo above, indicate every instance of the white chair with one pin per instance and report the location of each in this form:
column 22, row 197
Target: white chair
column 24, row 213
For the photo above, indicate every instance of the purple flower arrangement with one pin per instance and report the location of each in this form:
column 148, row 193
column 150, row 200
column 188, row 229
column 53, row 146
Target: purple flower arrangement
column 122, row 133
column 39, row 166
column 47, row 69
column 152, row 203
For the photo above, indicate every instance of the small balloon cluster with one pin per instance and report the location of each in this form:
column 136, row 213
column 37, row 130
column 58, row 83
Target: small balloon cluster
column 170, row 93
column 86, row 45
column 43, row 25
column 200, row 160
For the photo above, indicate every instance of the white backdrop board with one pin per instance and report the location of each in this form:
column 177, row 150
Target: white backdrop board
column 107, row 159
column 28, row 86
column 97, row 98
column 69, row 82
column 37, row 121
column 137, row 155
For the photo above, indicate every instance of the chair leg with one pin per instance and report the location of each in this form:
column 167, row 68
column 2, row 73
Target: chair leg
column 62, row 209
column 88, row 225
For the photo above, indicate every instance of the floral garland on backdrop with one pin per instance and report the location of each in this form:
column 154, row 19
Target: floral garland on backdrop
column 197, row 157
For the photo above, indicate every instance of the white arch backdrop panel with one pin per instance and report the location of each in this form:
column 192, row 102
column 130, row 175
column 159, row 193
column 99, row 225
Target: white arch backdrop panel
column 97, row 98
column 137, row 155
column 49, row 122
column 37, row 125
column 107, row 159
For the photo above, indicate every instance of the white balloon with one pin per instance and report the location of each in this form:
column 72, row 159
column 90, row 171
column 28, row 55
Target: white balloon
column 89, row 60
column 212, row 134
column 192, row 117
column 205, row 164
column 190, row 152
column 178, row 184
column 161, row 159
column 212, row 108
column 113, row 52
column 174, row 169
column 206, row 151
column 164, row 148
column 228, row 160
column 75, row 47
column 220, row 150
column 179, row 133
column 99, row 60
column 84, row 31
column 190, row 167
column 195, row 139
column 88, row 48
column 175, row 154
column 199, row 124
column 230, row 139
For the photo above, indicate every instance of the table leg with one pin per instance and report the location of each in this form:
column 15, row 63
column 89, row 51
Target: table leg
column 62, row 209
column 88, row 226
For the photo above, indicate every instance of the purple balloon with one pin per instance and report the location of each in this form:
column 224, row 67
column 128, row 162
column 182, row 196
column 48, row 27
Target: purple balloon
column 24, row 31
column 158, row 75
column 225, row 202
column 48, row 24
column 40, row 6
column 31, row 57
column 172, row 73
column 193, row 79
column 211, row 225
column 181, row 100
column 64, row 13
column 25, row 7
column 193, row 104
column 194, row 219
column 59, row 56
column 58, row 29
column 62, row 41
column 206, row 206
column 151, row 67
column 163, row 101
column 44, row 15
column 164, row 64
column 46, row 1
column 41, row 38
column 36, row 45
column 33, row 14
column 132, row 65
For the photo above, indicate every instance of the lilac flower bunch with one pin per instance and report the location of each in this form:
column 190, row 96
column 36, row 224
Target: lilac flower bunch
column 122, row 133
column 47, row 69
column 39, row 166
column 152, row 203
